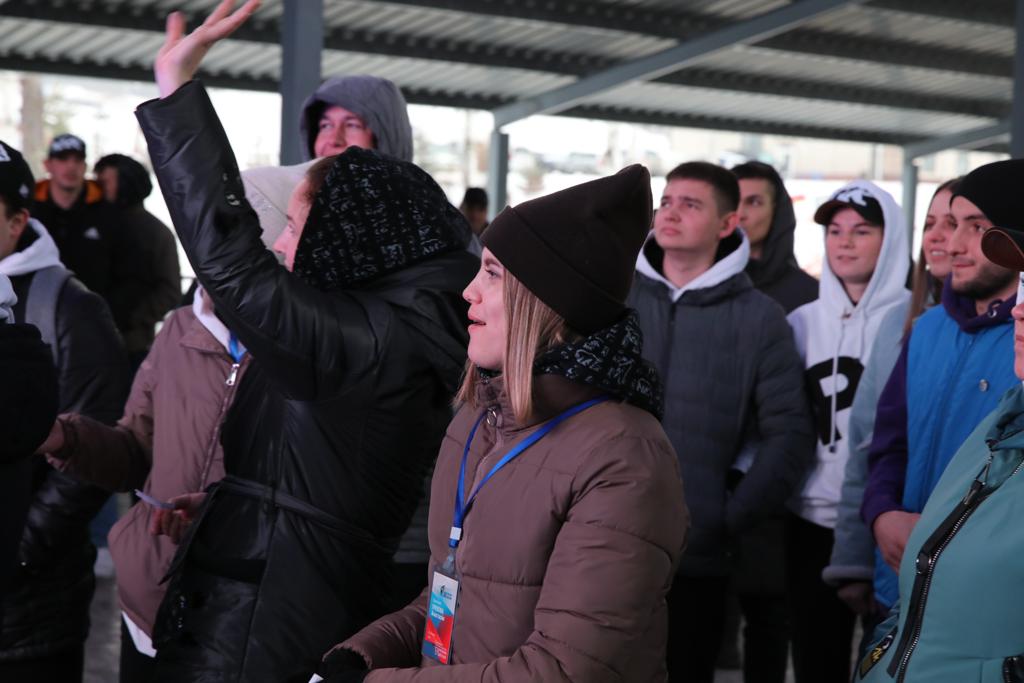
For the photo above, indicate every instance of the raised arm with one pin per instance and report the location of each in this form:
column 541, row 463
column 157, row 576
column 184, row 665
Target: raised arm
column 309, row 342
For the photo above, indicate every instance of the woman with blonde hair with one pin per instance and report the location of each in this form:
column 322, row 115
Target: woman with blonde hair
column 557, row 514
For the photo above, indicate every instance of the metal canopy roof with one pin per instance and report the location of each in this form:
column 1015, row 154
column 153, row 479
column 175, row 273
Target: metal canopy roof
column 888, row 71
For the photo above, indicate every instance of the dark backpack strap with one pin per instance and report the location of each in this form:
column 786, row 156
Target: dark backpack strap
column 41, row 303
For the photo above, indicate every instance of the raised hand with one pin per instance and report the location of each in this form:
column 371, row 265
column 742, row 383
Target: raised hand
column 179, row 57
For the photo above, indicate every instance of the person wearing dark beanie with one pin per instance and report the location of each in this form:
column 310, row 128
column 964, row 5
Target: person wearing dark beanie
column 569, row 512
column 736, row 413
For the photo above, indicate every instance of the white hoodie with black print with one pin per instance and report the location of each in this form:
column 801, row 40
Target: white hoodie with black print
column 834, row 338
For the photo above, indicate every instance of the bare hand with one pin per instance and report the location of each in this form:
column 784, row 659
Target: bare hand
column 174, row 523
column 55, row 441
column 859, row 596
column 179, row 58
column 892, row 529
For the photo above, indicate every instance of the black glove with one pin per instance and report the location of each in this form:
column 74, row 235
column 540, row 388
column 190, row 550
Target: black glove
column 343, row 666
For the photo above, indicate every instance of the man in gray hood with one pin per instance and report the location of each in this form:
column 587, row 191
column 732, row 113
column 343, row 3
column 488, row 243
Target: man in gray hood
column 356, row 111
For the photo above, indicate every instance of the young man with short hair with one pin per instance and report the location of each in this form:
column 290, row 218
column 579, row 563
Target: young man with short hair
column 81, row 223
column 732, row 377
column 863, row 276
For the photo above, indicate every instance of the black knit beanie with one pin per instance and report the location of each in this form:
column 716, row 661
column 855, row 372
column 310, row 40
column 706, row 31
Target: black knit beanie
column 375, row 215
column 996, row 189
column 576, row 249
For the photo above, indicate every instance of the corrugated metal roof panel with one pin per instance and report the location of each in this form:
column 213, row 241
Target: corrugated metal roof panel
column 786, row 110
column 777, row 63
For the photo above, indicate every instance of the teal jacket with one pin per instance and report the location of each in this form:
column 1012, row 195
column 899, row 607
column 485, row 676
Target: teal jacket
column 962, row 575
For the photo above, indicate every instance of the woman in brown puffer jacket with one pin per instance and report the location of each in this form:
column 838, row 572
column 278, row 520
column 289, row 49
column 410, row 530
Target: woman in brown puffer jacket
column 561, row 562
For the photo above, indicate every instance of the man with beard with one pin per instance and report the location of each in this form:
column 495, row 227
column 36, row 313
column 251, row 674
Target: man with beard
column 955, row 365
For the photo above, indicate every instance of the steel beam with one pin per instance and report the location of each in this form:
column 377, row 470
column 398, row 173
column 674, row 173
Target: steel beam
column 302, row 39
column 969, row 139
column 664, row 62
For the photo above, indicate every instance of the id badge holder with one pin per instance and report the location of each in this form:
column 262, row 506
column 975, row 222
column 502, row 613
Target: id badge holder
column 444, row 595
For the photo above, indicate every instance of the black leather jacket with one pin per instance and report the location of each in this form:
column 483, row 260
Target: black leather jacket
column 328, row 440
column 28, row 406
column 46, row 606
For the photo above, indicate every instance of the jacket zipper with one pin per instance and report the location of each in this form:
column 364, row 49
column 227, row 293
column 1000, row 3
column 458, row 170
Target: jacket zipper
column 925, row 568
column 229, row 382
column 925, row 564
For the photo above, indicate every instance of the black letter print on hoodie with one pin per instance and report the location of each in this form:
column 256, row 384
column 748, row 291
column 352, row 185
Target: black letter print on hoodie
column 826, row 406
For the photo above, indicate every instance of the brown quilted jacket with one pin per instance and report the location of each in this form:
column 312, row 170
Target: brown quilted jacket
column 167, row 443
column 567, row 553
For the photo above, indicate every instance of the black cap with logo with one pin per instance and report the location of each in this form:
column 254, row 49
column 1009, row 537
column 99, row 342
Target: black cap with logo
column 67, row 144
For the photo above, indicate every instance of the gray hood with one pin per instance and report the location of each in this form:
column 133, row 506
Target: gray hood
column 377, row 101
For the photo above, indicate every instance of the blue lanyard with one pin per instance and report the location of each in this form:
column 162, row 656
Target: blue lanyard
column 461, row 504
column 234, row 348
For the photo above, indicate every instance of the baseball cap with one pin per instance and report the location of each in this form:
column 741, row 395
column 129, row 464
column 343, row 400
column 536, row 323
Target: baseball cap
column 66, row 143
column 857, row 198
column 16, row 181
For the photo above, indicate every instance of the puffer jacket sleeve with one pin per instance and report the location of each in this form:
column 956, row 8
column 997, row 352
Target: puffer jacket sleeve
column 308, row 342
column 117, row 458
column 784, row 427
column 590, row 613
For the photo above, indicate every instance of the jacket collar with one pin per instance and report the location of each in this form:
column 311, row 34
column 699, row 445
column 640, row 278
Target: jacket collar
column 552, row 394
column 732, row 257
column 963, row 311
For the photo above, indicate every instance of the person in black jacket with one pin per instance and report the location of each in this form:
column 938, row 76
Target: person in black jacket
column 735, row 409
column 46, row 606
column 28, row 400
column 148, row 278
column 82, row 225
column 357, row 347
column 766, row 217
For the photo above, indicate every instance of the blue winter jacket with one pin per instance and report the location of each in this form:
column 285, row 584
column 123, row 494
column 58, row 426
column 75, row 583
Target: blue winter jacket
column 951, row 373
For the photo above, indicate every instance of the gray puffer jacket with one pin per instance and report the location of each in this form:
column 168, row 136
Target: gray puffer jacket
column 732, row 377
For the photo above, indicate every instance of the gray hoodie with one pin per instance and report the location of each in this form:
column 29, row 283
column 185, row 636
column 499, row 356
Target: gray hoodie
column 377, row 101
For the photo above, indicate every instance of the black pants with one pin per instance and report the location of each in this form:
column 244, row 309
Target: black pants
column 822, row 623
column 135, row 666
column 696, row 615
column 60, row 667
column 765, row 638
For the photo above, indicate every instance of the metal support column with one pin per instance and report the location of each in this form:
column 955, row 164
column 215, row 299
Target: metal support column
column 497, row 173
column 909, row 193
column 1017, row 113
column 302, row 41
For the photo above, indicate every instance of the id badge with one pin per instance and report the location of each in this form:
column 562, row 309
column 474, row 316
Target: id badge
column 444, row 593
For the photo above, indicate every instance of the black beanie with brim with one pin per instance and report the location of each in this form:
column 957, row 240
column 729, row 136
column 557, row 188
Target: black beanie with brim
column 576, row 249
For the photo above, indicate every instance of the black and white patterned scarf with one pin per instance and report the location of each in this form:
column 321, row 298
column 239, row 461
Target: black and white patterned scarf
column 610, row 360
column 374, row 215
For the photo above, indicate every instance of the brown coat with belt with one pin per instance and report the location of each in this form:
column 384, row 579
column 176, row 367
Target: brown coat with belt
column 566, row 556
column 167, row 443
